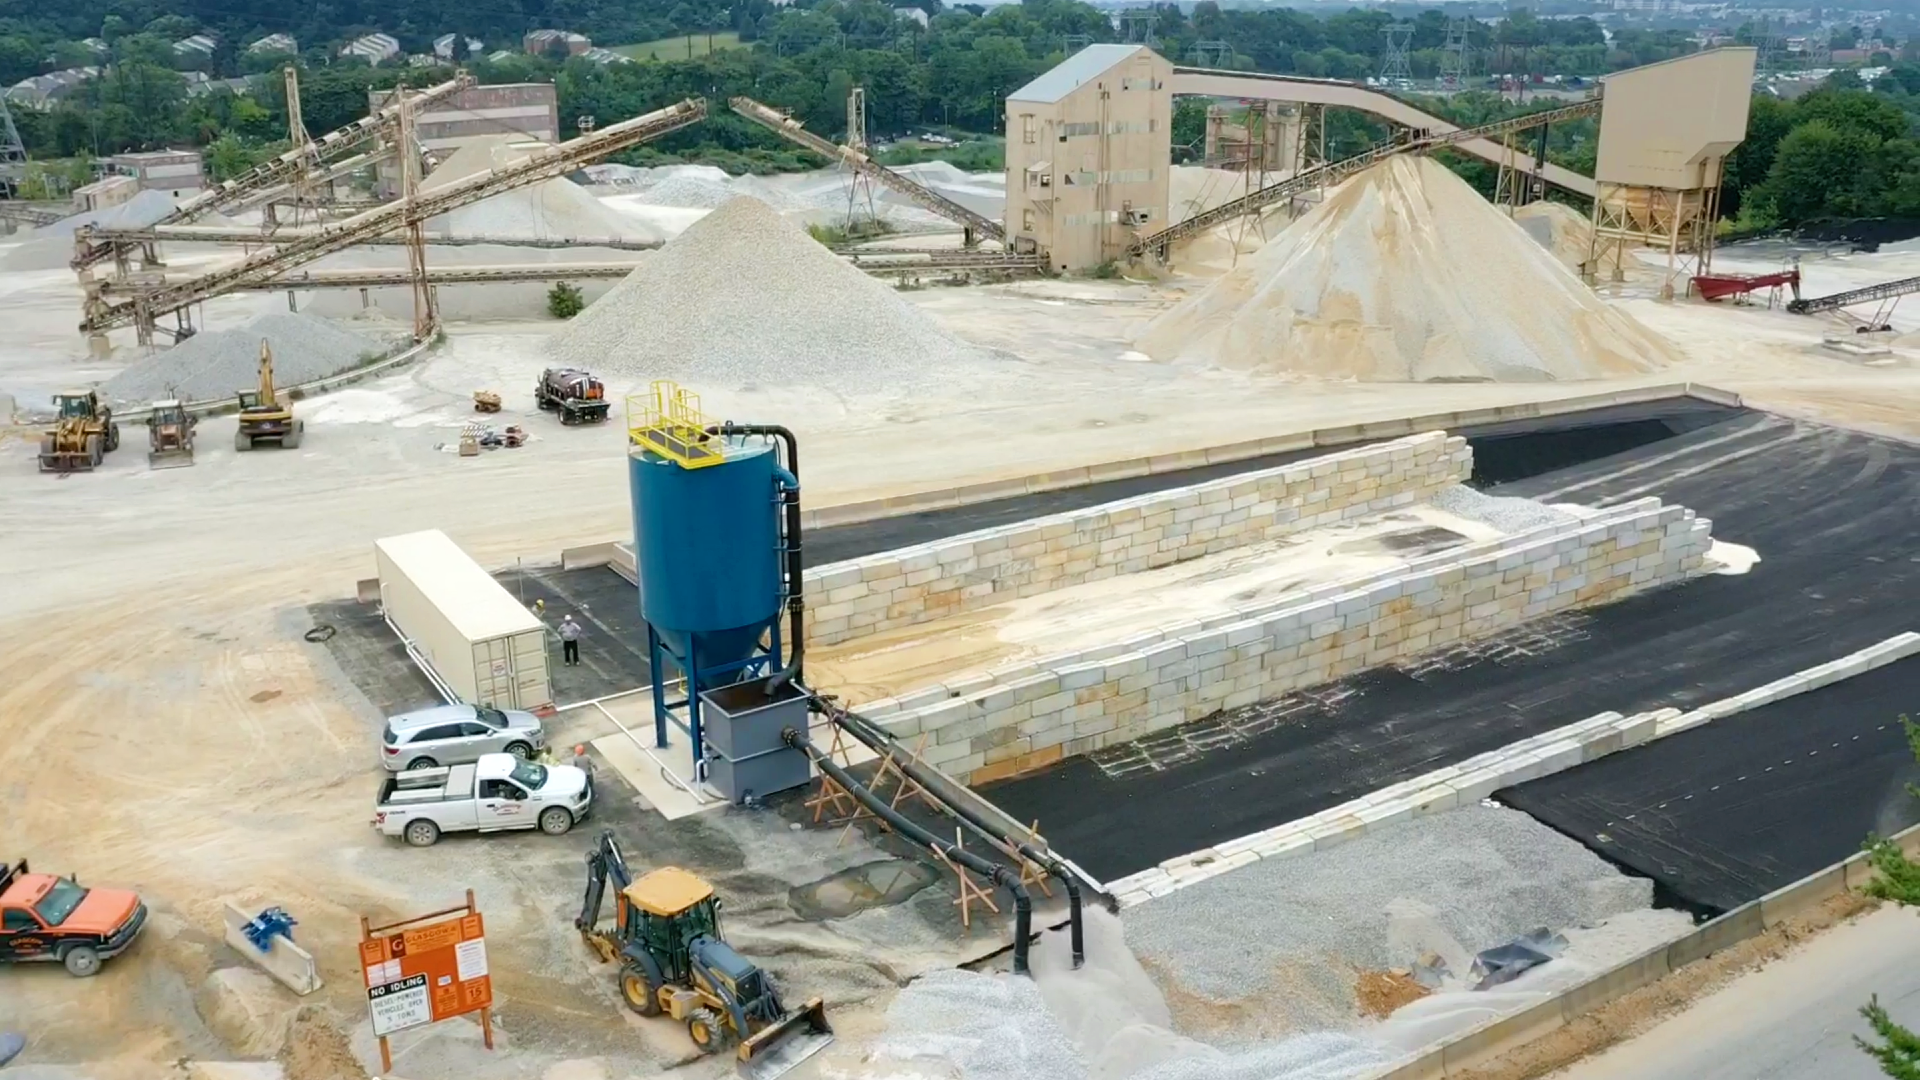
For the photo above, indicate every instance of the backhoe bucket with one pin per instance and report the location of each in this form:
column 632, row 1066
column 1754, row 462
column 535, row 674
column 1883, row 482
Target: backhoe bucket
column 777, row 1048
column 169, row 459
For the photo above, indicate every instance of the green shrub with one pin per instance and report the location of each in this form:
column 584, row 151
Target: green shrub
column 564, row 300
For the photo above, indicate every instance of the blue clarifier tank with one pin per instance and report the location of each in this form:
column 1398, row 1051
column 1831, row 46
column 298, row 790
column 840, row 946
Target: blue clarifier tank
column 706, row 551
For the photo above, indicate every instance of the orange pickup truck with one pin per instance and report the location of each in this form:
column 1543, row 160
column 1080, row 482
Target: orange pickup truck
column 45, row 917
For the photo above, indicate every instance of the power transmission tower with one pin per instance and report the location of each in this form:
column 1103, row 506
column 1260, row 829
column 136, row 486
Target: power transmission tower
column 1395, row 68
column 13, row 155
column 1456, row 61
column 1136, row 26
column 1211, row 54
column 861, row 187
column 1073, row 43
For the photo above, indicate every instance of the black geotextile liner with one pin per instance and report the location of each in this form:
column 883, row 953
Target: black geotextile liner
column 1734, row 809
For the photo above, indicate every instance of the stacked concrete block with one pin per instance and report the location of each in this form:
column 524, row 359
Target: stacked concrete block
column 1027, row 716
column 931, row 581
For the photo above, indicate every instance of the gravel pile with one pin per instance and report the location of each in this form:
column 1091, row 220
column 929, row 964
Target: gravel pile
column 1509, row 515
column 989, row 1027
column 216, row 363
column 744, row 298
column 688, row 192
column 1283, row 940
column 50, row 247
column 1104, row 1021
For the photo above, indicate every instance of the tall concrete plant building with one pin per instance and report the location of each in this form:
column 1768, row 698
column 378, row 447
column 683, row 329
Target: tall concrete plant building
column 1088, row 154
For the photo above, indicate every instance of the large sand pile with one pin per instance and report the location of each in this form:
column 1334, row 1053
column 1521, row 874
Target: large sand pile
column 744, row 297
column 1405, row 274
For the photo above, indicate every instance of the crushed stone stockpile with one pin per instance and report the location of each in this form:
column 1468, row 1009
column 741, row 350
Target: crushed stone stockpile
column 1279, row 943
column 744, row 298
column 1104, row 1021
column 1405, row 274
column 557, row 209
column 50, row 247
column 216, row 363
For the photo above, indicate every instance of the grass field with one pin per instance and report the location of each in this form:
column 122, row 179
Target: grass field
column 676, row 48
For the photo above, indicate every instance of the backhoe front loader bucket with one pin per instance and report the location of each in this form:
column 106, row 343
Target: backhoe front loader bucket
column 777, row 1048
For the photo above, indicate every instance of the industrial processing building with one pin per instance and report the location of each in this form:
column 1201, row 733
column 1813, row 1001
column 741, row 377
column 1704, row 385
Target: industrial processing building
column 1088, row 155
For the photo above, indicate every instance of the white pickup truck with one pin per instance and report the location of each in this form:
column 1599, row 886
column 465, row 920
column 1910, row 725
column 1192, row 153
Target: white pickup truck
column 497, row 792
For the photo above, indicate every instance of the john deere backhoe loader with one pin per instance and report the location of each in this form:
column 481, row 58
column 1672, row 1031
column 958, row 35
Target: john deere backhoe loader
column 666, row 938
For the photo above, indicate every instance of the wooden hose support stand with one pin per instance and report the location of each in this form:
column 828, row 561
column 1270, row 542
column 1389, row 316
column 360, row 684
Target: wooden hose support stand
column 969, row 890
column 444, row 959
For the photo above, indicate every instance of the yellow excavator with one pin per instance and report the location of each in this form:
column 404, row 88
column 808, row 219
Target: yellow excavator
column 666, row 938
column 83, row 432
column 263, row 415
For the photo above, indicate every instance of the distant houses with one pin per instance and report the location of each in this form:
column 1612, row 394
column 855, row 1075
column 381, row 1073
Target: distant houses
column 540, row 42
column 39, row 92
column 375, row 48
column 273, row 44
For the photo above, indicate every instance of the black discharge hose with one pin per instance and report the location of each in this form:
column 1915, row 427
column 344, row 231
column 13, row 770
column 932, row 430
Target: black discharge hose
column 796, row 598
column 877, row 740
column 1000, row 875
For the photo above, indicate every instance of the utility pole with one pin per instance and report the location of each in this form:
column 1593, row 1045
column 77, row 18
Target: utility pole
column 424, row 317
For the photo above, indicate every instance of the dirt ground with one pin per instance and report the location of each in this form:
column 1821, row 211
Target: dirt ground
column 168, row 729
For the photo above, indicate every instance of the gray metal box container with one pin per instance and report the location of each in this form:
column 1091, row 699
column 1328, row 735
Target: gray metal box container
column 743, row 730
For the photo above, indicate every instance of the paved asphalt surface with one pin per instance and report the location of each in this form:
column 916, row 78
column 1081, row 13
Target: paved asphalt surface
column 1831, row 513
column 1794, row 1019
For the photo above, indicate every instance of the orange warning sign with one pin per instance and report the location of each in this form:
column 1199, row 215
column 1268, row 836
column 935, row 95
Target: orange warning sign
column 452, row 954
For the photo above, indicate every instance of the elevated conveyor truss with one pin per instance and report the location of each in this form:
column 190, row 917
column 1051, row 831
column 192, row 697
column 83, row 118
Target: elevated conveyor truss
column 344, row 149
column 977, row 226
column 1886, row 290
column 1335, row 171
column 547, row 163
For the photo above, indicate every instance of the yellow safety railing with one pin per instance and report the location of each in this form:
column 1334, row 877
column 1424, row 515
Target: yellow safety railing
column 667, row 421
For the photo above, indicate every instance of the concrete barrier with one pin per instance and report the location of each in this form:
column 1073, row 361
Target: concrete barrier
column 589, row 555
column 1529, row 759
column 1344, row 435
column 291, row 965
column 1460, row 1052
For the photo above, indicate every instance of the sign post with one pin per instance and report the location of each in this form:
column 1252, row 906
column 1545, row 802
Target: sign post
column 424, row 969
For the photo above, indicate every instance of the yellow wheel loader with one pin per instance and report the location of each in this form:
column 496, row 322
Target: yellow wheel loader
column 673, row 962
column 83, row 433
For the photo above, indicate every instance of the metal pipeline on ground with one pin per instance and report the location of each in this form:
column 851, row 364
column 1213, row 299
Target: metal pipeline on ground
column 795, row 572
column 1000, row 875
column 938, row 785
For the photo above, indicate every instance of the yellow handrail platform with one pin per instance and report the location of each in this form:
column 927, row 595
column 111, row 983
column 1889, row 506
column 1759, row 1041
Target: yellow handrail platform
column 667, row 421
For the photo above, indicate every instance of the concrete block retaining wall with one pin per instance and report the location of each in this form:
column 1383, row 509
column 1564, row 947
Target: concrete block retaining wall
column 1015, row 719
column 919, row 584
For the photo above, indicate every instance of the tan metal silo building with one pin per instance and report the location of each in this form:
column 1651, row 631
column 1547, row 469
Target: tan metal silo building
column 1665, row 132
column 1088, row 155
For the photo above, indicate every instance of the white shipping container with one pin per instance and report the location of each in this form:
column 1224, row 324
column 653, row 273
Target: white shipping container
column 484, row 644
